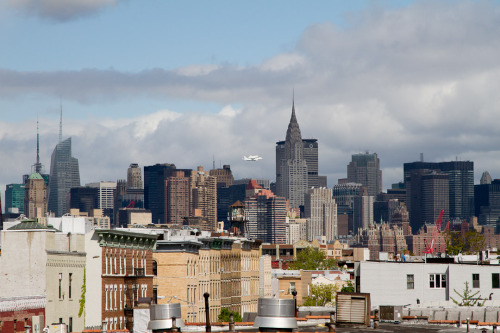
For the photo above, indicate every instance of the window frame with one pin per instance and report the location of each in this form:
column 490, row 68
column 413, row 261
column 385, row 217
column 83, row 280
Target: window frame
column 438, row 281
column 410, row 281
column 475, row 280
column 495, row 280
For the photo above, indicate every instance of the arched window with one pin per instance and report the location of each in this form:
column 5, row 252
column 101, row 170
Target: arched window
column 155, row 268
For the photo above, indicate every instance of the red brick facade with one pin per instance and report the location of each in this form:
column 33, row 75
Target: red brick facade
column 19, row 318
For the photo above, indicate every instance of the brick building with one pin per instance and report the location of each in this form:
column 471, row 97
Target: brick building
column 119, row 273
column 227, row 268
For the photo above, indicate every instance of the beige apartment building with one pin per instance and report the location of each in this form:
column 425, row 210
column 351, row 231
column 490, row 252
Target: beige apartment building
column 226, row 268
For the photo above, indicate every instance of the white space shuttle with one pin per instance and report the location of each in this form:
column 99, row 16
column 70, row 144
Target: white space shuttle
column 253, row 158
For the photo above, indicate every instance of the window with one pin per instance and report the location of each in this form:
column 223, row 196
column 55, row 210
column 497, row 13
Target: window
column 410, row 281
column 155, row 268
column 292, row 287
column 495, row 280
column 70, row 324
column 475, row 280
column 437, row 281
column 69, row 289
column 60, row 285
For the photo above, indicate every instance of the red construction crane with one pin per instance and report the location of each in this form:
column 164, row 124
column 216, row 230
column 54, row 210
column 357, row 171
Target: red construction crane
column 131, row 204
column 430, row 248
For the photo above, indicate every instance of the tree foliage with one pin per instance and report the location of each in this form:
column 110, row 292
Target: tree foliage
column 82, row 297
column 321, row 295
column 348, row 287
column 225, row 315
column 470, row 243
column 311, row 258
column 467, row 298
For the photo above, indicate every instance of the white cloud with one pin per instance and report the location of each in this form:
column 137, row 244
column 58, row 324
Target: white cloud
column 423, row 78
column 196, row 70
column 283, row 62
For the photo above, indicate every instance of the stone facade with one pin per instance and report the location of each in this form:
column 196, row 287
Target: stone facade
column 226, row 268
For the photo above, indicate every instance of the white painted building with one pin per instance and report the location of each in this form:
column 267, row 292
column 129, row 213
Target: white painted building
column 42, row 264
column 403, row 283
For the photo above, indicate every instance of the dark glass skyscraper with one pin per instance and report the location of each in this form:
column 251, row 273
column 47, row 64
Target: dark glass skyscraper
column 461, row 185
column 64, row 174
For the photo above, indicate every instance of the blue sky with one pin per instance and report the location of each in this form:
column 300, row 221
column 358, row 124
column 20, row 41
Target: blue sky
column 185, row 82
column 129, row 36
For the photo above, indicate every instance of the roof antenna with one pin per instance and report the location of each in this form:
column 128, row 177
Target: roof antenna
column 38, row 165
column 213, row 162
column 60, row 123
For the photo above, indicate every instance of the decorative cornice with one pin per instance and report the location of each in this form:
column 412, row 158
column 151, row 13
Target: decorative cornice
column 20, row 303
column 126, row 239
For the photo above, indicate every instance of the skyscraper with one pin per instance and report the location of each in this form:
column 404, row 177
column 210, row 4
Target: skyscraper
column 321, row 211
column 178, row 193
column 427, row 193
column 134, row 176
column 362, row 210
column 14, row 198
column 64, row 174
column 155, row 190
column 86, row 199
column 296, row 167
column 461, row 185
column 365, row 169
column 266, row 216
column 35, row 200
column 106, row 194
column 204, row 196
column 224, row 176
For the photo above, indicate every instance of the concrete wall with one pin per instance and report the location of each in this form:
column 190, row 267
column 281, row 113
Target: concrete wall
column 93, row 306
column 65, row 305
column 387, row 281
column 23, row 263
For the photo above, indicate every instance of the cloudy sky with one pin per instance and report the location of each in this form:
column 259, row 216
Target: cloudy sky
column 189, row 82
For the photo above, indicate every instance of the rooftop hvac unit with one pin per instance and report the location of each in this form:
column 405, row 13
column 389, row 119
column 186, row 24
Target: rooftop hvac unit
column 391, row 313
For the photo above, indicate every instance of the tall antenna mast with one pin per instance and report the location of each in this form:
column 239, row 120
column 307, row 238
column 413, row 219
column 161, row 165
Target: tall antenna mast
column 60, row 124
column 38, row 165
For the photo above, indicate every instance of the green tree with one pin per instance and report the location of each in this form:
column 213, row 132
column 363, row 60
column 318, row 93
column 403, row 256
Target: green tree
column 225, row 315
column 321, row 295
column 348, row 287
column 467, row 298
column 310, row 258
column 470, row 243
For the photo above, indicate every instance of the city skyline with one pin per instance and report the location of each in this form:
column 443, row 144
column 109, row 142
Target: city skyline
column 383, row 78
